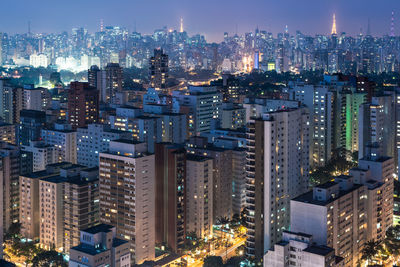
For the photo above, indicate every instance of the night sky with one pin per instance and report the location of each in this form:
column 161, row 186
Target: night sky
column 209, row 17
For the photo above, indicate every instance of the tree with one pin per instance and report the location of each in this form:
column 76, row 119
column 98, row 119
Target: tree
column 392, row 241
column 234, row 261
column 222, row 220
column 213, row 261
column 13, row 232
column 243, row 218
column 370, row 249
column 49, row 258
column 28, row 251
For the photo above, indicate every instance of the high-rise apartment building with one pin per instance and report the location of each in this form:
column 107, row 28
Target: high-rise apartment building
column 170, row 194
column 232, row 116
column 377, row 124
column 238, row 180
column 97, row 79
column 83, row 104
column 51, row 213
column 376, row 172
column 68, row 203
column 335, row 214
column 29, row 211
column 158, row 71
column 36, row 98
column 127, row 190
column 350, row 102
column 203, row 107
column 199, row 192
column 81, row 204
column 93, row 139
column 150, row 127
column 114, row 82
column 9, row 173
column 320, row 101
column 30, row 127
column 222, row 175
column 42, row 154
column 11, row 102
column 63, row 139
column 8, row 133
column 351, row 211
column 277, row 170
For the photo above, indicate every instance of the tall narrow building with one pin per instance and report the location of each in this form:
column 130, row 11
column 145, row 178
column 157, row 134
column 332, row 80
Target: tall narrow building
column 127, row 190
column 199, row 190
column 277, row 170
column 377, row 124
column 158, row 71
column 30, row 127
column 9, row 174
column 11, row 102
column 83, row 104
column 97, row 79
column 29, row 211
column 222, row 175
column 114, row 82
column 170, row 224
column 334, row 31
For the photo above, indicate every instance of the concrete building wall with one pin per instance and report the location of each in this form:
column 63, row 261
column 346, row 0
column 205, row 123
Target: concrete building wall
column 199, row 192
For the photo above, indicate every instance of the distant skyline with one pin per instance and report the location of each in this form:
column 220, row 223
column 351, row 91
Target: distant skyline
column 211, row 18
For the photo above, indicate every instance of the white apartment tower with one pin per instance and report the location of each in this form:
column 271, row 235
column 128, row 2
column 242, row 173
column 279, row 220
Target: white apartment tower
column 277, row 170
column 127, row 177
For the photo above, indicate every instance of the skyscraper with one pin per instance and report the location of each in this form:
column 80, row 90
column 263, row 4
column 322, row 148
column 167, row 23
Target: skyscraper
column 7, row 133
column 93, row 139
column 81, row 203
column 31, row 124
column 127, row 190
column 377, row 126
column 335, row 215
column 334, row 31
column 222, row 175
column 170, row 173
column 83, row 104
column 9, row 174
column 97, row 79
column 1, row 49
column 63, row 138
column 114, row 82
column 203, row 104
column 277, row 170
column 158, row 71
column 199, row 191
column 11, row 101
column 29, row 211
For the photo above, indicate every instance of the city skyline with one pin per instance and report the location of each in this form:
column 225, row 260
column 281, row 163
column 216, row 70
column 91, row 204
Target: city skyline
column 209, row 19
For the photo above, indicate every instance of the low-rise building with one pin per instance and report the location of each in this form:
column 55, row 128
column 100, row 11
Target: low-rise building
column 100, row 247
column 297, row 249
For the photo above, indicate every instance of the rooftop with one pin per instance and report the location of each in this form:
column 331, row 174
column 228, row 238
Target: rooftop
column 326, row 185
column 100, row 228
column 320, row 250
column 192, row 157
column 308, row 197
column 118, row 242
column 88, row 249
column 127, row 141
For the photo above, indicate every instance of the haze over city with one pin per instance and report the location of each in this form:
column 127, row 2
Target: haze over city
column 208, row 17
